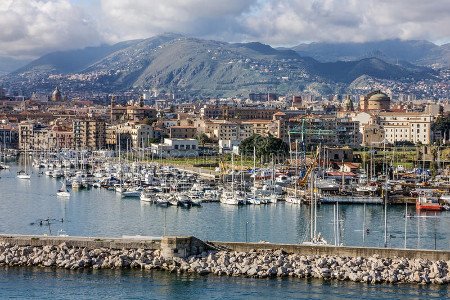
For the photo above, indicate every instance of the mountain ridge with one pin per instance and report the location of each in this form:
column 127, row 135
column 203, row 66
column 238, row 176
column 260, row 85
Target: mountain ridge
column 206, row 67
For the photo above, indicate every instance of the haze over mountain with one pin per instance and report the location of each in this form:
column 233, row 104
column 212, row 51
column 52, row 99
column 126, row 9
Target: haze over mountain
column 417, row 52
column 176, row 62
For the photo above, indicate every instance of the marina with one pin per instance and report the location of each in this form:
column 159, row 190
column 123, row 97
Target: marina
column 104, row 211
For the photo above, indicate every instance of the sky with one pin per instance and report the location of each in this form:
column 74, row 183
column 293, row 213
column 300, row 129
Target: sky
column 31, row 28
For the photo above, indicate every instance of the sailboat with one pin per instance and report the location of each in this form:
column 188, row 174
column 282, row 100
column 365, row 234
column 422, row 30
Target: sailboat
column 316, row 239
column 63, row 192
column 231, row 197
column 23, row 174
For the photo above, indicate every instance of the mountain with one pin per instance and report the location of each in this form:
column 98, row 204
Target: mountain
column 417, row 52
column 72, row 61
column 203, row 67
column 9, row 64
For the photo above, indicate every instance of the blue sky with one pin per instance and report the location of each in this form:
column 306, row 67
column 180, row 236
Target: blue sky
column 31, row 28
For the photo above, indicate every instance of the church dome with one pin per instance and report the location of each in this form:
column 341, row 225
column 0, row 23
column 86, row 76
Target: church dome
column 56, row 95
column 378, row 100
column 379, row 96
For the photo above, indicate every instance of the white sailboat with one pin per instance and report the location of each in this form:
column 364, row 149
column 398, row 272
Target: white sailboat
column 63, row 192
column 231, row 197
column 23, row 174
column 316, row 239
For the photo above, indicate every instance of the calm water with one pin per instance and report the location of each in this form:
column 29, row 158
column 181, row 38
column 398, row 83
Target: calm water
column 36, row 283
column 99, row 212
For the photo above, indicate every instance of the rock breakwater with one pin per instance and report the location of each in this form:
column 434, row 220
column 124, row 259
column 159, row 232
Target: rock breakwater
column 260, row 264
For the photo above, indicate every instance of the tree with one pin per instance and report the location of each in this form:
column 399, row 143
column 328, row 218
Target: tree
column 265, row 147
column 203, row 139
column 441, row 125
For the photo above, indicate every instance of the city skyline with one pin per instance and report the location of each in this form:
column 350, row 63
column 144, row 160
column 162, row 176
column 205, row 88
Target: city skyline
column 36, row 27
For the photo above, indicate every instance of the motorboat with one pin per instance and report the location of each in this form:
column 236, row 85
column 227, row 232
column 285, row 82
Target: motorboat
column 426, row 203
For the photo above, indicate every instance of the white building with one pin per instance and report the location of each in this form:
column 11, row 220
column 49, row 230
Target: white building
column 176, row 148
column 411, row 127
column 226, row 146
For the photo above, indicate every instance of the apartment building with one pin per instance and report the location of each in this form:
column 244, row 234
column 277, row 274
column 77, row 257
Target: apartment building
column 89, row 134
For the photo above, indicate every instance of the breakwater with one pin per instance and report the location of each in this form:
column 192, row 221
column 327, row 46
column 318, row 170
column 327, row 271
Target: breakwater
column 190, row 255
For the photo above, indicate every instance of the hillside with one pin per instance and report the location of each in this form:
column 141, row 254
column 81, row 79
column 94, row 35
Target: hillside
column 415, row 51
column 204, row 67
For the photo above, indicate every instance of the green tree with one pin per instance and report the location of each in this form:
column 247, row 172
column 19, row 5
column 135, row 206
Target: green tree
column 265, row 147
column 203, row 139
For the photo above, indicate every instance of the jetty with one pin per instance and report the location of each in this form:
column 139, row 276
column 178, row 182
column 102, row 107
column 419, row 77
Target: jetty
column 187, row 254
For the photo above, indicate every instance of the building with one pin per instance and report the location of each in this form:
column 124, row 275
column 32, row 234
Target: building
column 262, row 96
column 89, row 134
column 175, row 148
column 297, row 102
column 225, row 112
column 373, row 135
column 34, row 136
column 227, row 130
column 259, row 127
column 56, row 95
column 375, row 101
column 325, row 130
column 130, row 134
column 182, row 132
column 9, row 136
column 407, row 127
column 136, row 113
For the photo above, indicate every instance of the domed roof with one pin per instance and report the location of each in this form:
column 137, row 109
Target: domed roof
column 379, row 96
column 56, row 95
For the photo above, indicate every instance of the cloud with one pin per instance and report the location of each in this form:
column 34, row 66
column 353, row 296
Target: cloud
column 142, row 18
column 291, row 21
column 35, row 27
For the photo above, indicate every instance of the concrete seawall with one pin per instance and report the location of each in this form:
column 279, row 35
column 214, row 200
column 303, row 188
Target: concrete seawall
column 83, row 242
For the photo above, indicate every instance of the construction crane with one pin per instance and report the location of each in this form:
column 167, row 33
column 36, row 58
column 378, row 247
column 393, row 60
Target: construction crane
column 300, row 152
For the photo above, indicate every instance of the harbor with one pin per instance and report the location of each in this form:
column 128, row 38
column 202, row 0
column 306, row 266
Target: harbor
column 103, row 211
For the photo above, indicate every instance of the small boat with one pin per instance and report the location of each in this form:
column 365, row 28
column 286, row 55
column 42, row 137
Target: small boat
column 425, row 203
column 146, row 197
column 63, row 192
column 231, row 198
column 133, row 192
column 23, row 175
column 162, row 202
column 293, row 200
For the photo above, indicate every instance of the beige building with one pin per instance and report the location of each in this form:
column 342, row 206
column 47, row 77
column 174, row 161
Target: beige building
column 412, row 127
column 372, row 135
column 89, row 134
column 133, row 134
column 34, row 136
column 182, row 132
column 260, row 127
column 227, row 130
